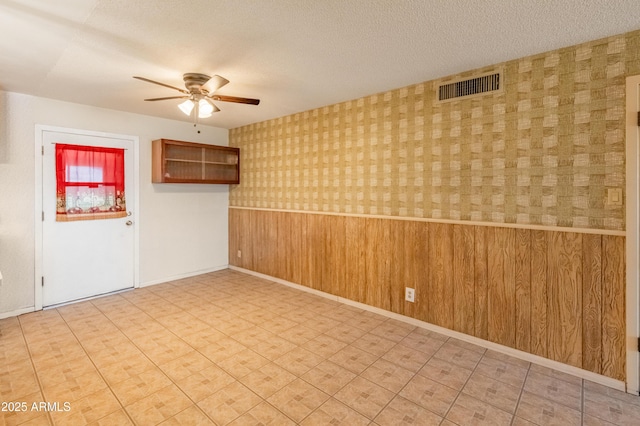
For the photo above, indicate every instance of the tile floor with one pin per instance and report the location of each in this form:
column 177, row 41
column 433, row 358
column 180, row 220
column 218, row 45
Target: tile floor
column 228, row 348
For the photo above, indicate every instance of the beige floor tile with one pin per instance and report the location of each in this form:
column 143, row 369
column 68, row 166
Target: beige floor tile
column 184, row 328
column 388, row 375
column 545, row 412
column 465, row 358
column 429, row 394
column 88, row 409
column 253, row 336
column 65, row 371
column 93, row 326
column 221, row 349
column 466, row 345
column 162, row 349
column 427, row 343
column 263, row 414
column 229, row 403
column 322, row 324
column 393, row 330
column 611, row 409
column 507, row 358
column 298, row 361
column 55, row 352
column 186, row 365
column 140, row 329
column 364, row 396
column 299, row 334
column 353, row 359
column 243, row 363
column 333, row 412
column 614, row 393
column 517, row 421
column 42, row 419
column 268, row 380
column 328, row 377
column 445, row 373
column 298, row 399
column 539, row 369
column 274, row 348
column 124, row 369
column 190, row 416
column 234, row 325
column 23, row 411
column 491, row 391
column 17, row 380
column 324, row 346
column 503, row 371
column 260, row 315
column 374, row 344
column 97, row 344
column 158, row 406
column 203, row 338
column 140, row 386
column 410, row 359
column 278, row 325
column 554, row 389
column 50, row 330
column 588, row 420
column 346, row 333
column 350, row 310
column 402, row 411
column 12, row 350
column 204, row 383
column 75, row 388
column 117, row 353
column 470, row 411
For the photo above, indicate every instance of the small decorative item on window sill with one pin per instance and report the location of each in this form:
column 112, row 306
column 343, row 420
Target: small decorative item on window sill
column 90, row 183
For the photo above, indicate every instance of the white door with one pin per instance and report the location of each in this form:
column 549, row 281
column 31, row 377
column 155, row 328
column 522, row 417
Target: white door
column 87, row 257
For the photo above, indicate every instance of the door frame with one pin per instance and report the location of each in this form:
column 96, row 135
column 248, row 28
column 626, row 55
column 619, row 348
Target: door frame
column 632, row 138
column 40, row 129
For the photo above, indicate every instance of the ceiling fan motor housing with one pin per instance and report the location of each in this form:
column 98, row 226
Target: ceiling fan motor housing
column 194, row 81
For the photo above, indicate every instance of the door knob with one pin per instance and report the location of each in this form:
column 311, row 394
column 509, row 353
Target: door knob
column 128, row 223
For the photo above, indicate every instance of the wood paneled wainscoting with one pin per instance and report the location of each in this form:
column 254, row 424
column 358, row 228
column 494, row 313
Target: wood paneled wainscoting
column 556, row 294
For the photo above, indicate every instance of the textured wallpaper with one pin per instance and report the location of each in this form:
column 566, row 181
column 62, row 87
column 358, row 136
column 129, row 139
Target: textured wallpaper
column 542, row 152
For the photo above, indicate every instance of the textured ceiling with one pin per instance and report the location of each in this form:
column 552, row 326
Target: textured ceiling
column 294, row 55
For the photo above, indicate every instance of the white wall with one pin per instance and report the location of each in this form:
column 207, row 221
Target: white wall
column 183, row 228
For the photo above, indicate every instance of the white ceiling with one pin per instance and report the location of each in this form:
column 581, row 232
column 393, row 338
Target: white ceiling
column 294, row 55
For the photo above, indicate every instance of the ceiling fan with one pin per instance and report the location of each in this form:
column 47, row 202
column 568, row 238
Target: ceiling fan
column 199, row 94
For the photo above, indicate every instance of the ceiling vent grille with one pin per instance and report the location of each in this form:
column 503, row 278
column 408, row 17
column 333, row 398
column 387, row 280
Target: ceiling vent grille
column 489, row 83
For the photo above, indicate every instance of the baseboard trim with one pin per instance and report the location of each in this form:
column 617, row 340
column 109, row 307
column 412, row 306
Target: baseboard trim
column 544, row 362
column 17, row 312
column 185, row 275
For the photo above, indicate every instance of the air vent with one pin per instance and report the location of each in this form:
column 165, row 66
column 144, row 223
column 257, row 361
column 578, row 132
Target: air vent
column 474, row 86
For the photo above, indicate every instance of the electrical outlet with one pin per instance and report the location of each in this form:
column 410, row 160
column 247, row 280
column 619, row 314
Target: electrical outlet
column 239, row 253
column 409, row 294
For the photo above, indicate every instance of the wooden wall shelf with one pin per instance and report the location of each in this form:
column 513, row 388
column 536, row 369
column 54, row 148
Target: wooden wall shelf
column 189, row 162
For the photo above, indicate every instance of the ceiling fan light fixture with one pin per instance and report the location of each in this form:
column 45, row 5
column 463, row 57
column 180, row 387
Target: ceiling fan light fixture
column 205, row 108
column 186, row 106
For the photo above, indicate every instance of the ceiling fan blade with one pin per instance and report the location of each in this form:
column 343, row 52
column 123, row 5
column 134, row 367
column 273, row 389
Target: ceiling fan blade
column 167, row 97
column 235, row 99
column 162, row 84
column 215, row 83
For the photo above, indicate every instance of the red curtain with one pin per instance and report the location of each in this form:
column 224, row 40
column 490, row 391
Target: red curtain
column 89, row 182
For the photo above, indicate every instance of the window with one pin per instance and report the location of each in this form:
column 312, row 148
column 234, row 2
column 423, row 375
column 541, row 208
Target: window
column 89, row 183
